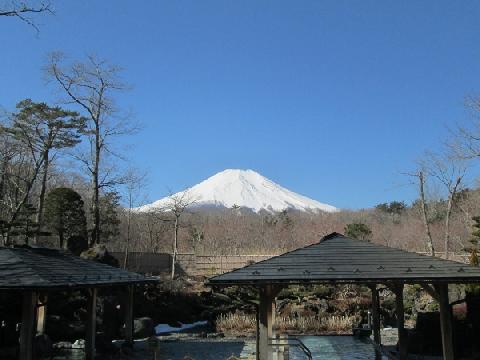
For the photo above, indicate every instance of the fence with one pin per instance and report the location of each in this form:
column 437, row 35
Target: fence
column 146, row 263
column 209, row 265
column 187, row 263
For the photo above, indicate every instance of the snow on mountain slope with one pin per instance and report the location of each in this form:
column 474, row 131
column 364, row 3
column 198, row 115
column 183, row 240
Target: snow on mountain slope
column 244, row 188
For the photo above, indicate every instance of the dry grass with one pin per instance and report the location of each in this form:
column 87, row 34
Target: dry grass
column 236, row 323
column 241, row 323
column 316, row 325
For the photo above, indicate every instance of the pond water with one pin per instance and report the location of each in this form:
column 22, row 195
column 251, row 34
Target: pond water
column 335, row 348
column 322, row 347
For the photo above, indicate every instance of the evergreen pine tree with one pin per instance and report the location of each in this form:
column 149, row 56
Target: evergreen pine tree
column 475, row 241
column 65, row 216
column 109, row 221
column 358, row 231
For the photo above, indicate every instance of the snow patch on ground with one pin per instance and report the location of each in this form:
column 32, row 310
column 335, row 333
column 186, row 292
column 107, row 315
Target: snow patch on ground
column 165, row 328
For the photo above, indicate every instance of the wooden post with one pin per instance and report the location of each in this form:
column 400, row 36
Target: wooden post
column 445, row 321
column 376, row 315
column 91, row 324
column 41, row 314
column 402, row 336
column 265, row 326
column 281, row 348
column 129, row 316
column 28, row 328
column 257, row 357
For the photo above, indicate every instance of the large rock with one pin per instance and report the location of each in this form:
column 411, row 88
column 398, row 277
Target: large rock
column 100, row 254
column 221, row 297
column 143, row 328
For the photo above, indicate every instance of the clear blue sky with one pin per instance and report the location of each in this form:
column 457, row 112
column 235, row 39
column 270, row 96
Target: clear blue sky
column 331, row 99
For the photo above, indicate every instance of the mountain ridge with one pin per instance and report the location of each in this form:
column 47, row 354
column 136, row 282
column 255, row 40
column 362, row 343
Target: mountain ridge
column 243, row 188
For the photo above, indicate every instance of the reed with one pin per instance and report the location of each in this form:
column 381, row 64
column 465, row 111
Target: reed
column 241, row 323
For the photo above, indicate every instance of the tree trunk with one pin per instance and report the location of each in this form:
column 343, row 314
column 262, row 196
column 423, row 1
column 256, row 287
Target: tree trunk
column 41, row 198
column 451, row 199
column 175, row 238
column 61, row 239
column 447, row 227
column 125, row 260
column 3, row 177
column 129, row 219
column 421, row 180
column 96, row 190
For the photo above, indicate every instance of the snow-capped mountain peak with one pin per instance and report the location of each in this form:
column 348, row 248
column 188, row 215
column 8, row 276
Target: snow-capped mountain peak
column 243, row 188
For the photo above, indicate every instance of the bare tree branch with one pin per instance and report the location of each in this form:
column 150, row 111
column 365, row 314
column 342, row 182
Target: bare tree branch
column 24, row 11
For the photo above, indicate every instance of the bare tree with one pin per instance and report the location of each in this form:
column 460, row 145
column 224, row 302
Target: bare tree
column 134, row 181
column 450, row 172
column 91, row 86
column 420, row 181
column 465, row 142
column 176, row 205
column 25, row 11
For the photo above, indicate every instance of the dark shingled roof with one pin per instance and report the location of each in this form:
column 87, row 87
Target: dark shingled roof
column 337, row 258
column 41, row 268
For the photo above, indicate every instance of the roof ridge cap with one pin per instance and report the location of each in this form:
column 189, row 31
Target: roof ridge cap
column 331, row 236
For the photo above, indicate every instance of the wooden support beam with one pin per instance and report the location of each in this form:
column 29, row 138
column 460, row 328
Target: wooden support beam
column 376, row 315
column 91, row 324
column 27, row 331
column 266, row 316
column 257, row 357
column 445, row 321
column 129, row 315
column 41, row 314
column 400, row 311
column 282, row 349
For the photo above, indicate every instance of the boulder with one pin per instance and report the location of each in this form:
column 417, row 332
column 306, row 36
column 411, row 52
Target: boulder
column 63, row 345
column 78, row 344
column 143, row 328
column 100, row 254
column 221, row 297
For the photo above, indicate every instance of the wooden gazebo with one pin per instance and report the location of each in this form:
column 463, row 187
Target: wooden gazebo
column 40, row 271
column 338, row 259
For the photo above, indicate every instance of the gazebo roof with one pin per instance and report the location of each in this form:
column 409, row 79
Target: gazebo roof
column 337, row 258
column 42, row 268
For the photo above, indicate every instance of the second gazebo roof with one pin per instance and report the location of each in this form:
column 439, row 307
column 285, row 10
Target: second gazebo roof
column 337, row 258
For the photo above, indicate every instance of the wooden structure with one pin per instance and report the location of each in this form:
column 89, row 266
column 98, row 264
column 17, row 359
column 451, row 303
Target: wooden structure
column 337, row 259
column 36, row 272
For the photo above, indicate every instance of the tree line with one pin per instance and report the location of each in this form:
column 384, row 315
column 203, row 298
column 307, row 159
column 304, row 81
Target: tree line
column 45, row 147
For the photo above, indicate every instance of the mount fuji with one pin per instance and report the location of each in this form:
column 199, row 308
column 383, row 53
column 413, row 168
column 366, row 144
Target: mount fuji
column 242, row 188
